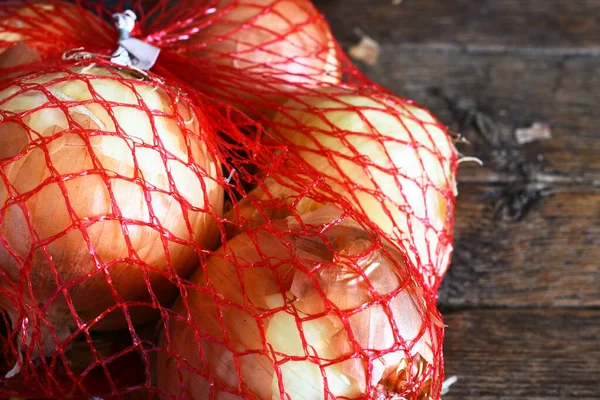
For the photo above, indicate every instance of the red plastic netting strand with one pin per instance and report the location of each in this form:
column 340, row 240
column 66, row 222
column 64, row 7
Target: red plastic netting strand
column 252, row 219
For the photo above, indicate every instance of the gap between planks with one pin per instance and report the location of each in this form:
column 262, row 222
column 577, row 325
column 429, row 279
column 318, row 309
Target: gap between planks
column 491, row 49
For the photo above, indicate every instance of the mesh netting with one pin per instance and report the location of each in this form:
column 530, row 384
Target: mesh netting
column 251, row 219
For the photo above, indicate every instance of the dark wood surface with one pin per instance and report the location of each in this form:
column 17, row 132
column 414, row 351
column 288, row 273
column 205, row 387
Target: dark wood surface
column 523, row 354
column 522, row 298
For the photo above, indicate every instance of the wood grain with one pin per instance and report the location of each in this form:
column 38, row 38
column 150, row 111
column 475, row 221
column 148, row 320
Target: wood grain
column 548, row 258
column 523, row 354
column 556, row 26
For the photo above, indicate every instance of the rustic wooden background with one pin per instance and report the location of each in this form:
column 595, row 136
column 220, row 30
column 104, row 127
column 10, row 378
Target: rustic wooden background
column 522, row 299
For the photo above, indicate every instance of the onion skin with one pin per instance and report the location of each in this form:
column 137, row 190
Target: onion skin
column 264, row 48
column 52, row 27
column 16, row 56
column 381, row 154
column 286, row 38
column 62, row 144
column 285, row 278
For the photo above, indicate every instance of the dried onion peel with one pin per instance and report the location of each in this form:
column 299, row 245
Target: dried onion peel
column 241, row 327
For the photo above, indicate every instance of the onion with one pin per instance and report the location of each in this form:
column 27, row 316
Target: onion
column 102, row 175
column 276, row 45
column 17, row 55
column 237, row 330
column 48, row 26
column 286, row 38
column 390, row 159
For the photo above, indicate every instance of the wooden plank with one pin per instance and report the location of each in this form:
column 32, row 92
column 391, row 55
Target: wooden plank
column 523, row 354
column 485, row 25
column 510, row 252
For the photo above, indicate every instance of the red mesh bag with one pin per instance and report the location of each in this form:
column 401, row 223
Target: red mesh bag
column 252, row 218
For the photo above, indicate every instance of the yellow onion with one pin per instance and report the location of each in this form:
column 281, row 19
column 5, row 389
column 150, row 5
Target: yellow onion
column 274, row 44
column 17, row 55
column 390, row 159
column 240, row 330
column 50, row 25
column 103, row 175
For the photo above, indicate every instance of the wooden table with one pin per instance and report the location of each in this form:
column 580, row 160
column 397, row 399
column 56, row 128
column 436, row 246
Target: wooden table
column 522, row 298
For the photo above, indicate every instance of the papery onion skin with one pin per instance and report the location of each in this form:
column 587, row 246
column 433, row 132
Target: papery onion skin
column 79, row 157
column 52, row 26
column 274, row 37
column 247, row 302
column 264, row 48
column 15, row 56
column 383, row 155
